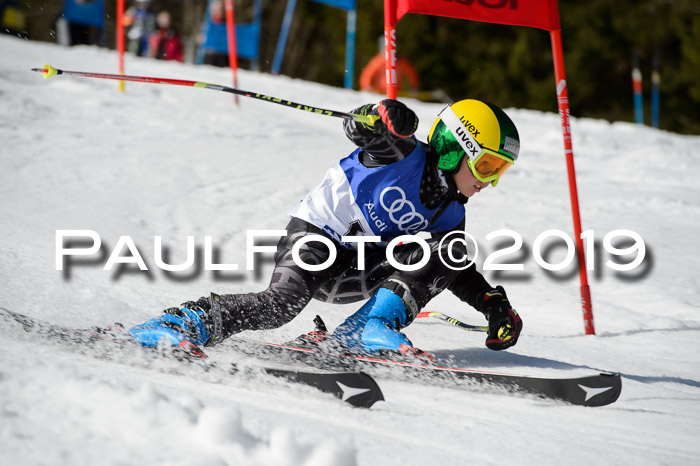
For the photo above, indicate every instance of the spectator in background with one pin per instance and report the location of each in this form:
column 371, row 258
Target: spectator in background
column 141, row 22
column 217, row 18
column 81, row 22
column 373, row 76
column 164, row 43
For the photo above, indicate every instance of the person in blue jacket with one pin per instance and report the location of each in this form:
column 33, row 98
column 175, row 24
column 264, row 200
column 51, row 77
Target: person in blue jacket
column 391, row 185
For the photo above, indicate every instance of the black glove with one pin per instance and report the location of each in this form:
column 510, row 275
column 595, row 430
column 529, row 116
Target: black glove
column 504, row 323
column 395, row 118
column 398, row 119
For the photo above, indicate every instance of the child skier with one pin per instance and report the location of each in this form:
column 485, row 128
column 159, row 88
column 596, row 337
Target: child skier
column 391, row 185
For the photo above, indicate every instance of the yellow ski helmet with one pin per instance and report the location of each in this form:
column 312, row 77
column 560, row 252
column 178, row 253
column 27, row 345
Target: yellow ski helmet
column 479, row 130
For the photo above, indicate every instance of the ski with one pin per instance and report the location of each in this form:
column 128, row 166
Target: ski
column 350, row 377
column 353, row 387
column 598, row 389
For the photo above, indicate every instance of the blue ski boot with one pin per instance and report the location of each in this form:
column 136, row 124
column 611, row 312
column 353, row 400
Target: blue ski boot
column 188, row 327
column 375, row 327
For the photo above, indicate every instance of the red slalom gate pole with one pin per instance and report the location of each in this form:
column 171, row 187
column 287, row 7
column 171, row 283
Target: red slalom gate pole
column 564, row 113
column 392, row 82
column 120, row 39
column 231, row 38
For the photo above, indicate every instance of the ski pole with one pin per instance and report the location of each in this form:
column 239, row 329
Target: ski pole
column 49, row 71
column 453, row 321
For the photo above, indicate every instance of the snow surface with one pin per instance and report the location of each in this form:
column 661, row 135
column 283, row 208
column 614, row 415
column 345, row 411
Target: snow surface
column 174, row 161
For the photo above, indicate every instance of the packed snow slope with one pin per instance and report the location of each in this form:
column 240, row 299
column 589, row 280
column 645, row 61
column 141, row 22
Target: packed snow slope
column 169, row 161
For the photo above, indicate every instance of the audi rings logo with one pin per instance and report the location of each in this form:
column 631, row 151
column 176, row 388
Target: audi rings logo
column 401, row 211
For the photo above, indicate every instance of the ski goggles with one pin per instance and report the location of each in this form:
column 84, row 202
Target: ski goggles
column 486, row 165
column 489, row 166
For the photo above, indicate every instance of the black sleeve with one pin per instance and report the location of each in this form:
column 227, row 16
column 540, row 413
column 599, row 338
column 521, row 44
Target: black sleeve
column 381, row 147
column 470, row 283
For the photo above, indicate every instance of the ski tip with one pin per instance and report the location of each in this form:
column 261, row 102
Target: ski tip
column 47, row 71
column 601, row 390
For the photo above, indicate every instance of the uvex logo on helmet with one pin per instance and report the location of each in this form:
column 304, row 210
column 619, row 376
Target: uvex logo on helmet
column 461, row 130
column 467, row 142
column 472, row 129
